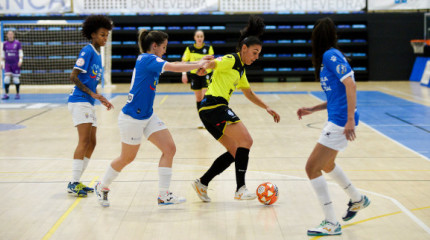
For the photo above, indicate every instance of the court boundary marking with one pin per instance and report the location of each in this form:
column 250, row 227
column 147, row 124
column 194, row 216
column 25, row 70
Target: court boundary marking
column 367, row 125
column 63, row 217
column 402, row 208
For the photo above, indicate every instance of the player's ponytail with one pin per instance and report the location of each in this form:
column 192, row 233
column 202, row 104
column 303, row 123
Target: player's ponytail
column 146, row 38
column 250, row 35
column 323, row 38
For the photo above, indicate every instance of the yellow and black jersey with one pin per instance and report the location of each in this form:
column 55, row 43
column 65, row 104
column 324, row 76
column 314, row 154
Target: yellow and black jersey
column 229, row 74
column 194, row 54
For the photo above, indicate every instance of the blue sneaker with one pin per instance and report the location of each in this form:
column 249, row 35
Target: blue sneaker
column 77, row 189
column 87, row 189
column 5, row 97
column 326, row 228
column 354, row 207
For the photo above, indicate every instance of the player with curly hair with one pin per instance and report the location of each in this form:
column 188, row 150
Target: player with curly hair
column 220, row 120
column 86, row 75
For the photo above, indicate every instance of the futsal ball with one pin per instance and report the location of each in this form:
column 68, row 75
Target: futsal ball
column 267, row 193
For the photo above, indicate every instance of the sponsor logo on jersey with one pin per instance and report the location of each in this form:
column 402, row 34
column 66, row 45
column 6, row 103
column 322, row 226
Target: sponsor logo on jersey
column 83, row 53
column 333, row 58
column 80, row 62
column 341, row 69
column 159, row 59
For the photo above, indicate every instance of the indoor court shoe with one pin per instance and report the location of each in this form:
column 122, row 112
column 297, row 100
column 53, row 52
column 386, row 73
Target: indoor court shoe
column 326, row 228
column 244, row 194
column 354, row 207
column 5, row 97
column 170, row 198
column 201, row 190
column 87, row 189
column 76, row 188
column 102, row 195
column 17, row 96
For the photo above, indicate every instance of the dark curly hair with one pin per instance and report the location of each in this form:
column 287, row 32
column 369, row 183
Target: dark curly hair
column 93, row 23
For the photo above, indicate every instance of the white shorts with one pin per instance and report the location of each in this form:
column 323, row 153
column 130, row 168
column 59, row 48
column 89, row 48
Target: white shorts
column 132, row 130
column 332, row 137
column 82, row 112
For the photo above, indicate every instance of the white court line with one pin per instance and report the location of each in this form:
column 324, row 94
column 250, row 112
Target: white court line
column 12, row 105
column 37, row 105
column 395, row 201
column 400, row 144
column 405, row 94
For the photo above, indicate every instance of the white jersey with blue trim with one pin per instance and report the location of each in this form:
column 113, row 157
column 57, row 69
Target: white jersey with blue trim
column 90, row 63
column 143, row 86
column 335, row 68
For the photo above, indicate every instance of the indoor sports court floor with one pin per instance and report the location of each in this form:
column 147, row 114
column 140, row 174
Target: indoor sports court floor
column 389, row 162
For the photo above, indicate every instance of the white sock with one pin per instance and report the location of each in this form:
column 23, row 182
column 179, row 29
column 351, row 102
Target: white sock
column 86, row 161
column 77, row 165
column 338, row 175
column 320, row 187
column 109, row 176
column 164, row 176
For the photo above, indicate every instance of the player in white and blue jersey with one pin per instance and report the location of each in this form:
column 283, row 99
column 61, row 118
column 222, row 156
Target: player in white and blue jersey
column 87, row 74
column 137, row 119
column 337, row 80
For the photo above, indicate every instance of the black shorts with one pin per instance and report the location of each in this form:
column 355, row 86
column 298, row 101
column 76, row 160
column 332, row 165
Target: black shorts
column 199, row 82
column 216, row 117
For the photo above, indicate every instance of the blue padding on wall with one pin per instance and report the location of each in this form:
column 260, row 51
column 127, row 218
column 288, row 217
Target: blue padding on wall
column 418, row 68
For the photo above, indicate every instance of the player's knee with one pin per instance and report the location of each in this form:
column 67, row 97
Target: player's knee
column 312, row 170
column 16, row 80
column 7, row 79
column 85, row 141
column 246, row 142
column 170, row 150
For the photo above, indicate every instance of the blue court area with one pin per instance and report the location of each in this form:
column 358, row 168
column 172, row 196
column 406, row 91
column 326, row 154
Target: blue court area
column 404, row 121
column 53, row 98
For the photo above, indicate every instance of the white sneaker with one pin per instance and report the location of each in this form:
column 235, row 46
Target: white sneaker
column 170, row 198
column 244, row 194
column 102, row 195
column 326, row 228
column 201, row 190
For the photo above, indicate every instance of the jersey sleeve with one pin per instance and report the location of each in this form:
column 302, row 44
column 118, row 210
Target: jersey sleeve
column 186, row 56
column 19, row 45
column 225, row 62
column 243, row 82
column 338, row 65
column 156, row 64
column 84, row 59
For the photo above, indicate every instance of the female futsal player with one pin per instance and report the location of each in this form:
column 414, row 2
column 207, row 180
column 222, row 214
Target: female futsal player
column 220, row 120
column 337, row 80
column 137, row 118
column 86, row 74
column 192, row 53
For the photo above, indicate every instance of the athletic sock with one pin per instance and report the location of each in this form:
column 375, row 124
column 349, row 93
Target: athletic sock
column 339, row 176
column 77, row 165
column 241, row 164
column 218, row 166
column 164, row 177
column 109, row 176
column 320, row 187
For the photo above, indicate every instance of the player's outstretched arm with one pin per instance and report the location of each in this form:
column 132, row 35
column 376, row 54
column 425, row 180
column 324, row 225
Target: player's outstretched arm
column 74, row 78
column 257, row 101
column 309, row 110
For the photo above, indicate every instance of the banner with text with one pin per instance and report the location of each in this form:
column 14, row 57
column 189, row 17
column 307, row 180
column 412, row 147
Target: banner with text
column 144, row 6
column 291, row 5
column 398, row 4
column 34, row 6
